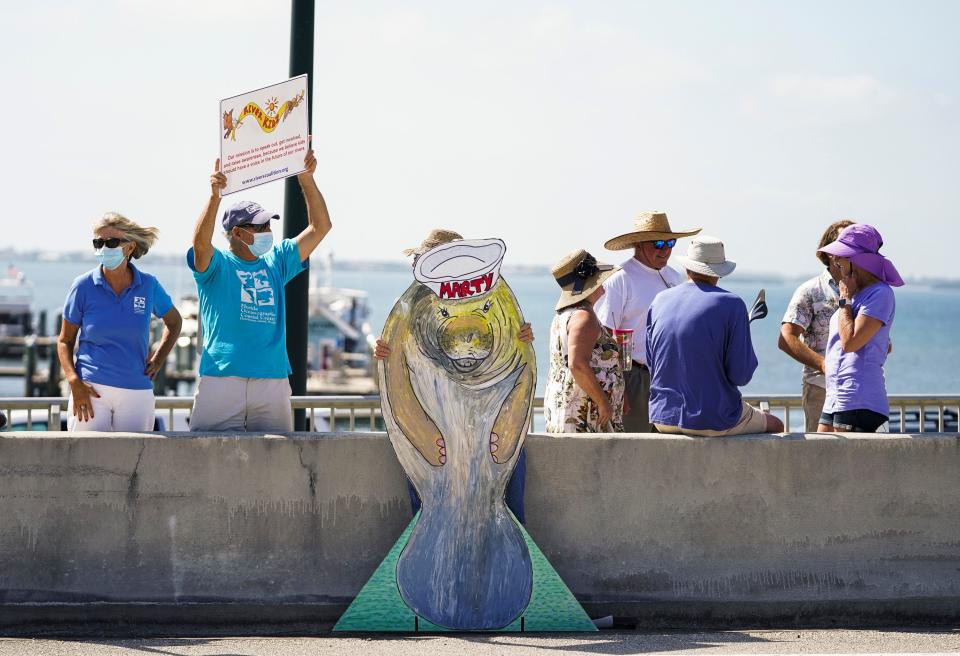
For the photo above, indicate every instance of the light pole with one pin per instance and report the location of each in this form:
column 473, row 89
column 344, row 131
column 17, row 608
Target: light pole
column 295, row 210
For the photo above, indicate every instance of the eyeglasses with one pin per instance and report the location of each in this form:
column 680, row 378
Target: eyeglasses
column 111, row 242
column 660, row 244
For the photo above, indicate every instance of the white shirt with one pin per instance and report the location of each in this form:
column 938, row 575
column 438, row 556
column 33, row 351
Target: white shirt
column 629, row 293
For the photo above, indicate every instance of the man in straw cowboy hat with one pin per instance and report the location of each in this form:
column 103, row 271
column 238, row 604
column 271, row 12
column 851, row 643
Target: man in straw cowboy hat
column 515, row 488
column 700, row 352
column 629, row 293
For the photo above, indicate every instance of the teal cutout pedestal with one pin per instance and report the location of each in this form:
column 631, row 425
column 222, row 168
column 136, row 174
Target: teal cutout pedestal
column 380, row 608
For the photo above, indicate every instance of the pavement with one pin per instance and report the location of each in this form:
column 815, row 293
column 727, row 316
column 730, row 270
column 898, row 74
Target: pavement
column 834, row 641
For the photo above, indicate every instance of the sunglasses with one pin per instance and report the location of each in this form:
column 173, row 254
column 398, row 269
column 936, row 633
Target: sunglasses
column 660, row 244
column 112, row 242
column 259, row 227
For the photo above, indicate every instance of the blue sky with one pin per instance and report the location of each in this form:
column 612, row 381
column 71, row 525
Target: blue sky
column 549, row 124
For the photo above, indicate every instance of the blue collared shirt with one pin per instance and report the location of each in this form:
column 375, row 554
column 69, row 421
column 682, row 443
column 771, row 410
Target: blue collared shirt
column 115, row 329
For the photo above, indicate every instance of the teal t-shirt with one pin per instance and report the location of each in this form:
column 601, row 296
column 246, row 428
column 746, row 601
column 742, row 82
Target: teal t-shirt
column 242, row 314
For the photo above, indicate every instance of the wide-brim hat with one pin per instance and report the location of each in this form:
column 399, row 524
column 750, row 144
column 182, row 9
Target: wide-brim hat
column 579, row 275
column 436, row 237
column 706, row 255
column 859, row 243
column 648, row 226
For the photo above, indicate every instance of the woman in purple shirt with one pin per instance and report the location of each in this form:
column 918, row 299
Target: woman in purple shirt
column 859, row 339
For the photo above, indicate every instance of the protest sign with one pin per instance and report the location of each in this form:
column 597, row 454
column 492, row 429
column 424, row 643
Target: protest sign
column 264, row 134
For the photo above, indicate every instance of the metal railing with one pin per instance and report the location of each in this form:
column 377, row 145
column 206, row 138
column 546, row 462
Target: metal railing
column 362, row 413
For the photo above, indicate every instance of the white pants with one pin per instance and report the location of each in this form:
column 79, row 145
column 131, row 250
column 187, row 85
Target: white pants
column 117, row 409
column 231, row 403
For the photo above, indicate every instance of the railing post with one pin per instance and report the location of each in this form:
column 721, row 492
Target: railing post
column 29, row 365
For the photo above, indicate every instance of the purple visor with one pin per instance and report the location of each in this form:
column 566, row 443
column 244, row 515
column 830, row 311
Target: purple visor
column 859, row 243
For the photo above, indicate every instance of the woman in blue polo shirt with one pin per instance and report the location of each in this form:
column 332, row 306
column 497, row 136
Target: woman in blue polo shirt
column 111, row 374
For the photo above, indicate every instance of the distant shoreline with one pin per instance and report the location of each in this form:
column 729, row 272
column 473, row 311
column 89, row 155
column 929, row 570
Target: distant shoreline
column 393, row 266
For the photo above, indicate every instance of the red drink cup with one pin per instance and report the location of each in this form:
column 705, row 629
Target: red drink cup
column 624, row 337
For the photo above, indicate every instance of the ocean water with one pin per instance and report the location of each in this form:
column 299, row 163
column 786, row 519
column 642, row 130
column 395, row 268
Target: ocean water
column 925, row 358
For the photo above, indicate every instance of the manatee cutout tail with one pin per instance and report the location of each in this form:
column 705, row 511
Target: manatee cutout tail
column 380, row 608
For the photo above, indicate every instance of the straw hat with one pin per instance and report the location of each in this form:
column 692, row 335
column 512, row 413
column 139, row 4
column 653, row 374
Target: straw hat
column 648, row 226
column 436, row 237
column 705, row 255
column 579, row 275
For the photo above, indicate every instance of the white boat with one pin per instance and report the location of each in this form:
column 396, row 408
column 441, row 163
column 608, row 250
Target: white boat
column 16, row 310
column 339, row 336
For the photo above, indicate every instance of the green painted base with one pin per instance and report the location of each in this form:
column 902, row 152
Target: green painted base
column 379, row 606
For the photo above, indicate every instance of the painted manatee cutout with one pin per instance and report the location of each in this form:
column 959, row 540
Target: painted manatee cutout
column 456, row 394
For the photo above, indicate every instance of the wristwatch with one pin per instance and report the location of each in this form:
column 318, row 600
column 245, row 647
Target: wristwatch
column 843, row 303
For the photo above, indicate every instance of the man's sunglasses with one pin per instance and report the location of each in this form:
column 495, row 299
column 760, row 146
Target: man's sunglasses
column 660, row 244
column 255, row 227
column 112, row 242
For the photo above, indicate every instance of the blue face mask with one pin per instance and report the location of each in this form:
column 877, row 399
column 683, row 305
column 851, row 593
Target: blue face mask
column 262, row 243
column 110, row 258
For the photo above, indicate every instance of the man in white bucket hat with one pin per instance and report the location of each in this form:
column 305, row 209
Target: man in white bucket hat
column 700, row 352
column 627, row 298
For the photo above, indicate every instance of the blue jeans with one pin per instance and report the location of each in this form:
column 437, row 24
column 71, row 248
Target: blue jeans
column 513, row 495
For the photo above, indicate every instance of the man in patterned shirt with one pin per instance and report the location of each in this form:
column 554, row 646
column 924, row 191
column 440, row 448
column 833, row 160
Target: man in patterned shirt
column 806, row 325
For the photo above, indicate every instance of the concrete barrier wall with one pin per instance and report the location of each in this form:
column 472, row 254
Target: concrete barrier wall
column 649, row 526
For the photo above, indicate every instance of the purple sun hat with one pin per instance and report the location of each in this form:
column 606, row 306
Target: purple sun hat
column 860, row 244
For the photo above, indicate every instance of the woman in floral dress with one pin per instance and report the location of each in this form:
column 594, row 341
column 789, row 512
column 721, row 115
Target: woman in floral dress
column 585, row 389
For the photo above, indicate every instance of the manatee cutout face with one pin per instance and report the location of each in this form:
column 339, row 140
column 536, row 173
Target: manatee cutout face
column 468, row 337
column 466, row 333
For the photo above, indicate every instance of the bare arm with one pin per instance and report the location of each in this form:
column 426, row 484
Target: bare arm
column 81, row 391
column 318, row 217
column 583, row 329
column 790, row 344
column 203, row 232
column 172, row 321
column 65, row 342
column 855, row 333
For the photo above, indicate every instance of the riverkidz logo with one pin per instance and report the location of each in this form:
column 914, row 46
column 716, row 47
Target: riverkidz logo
column 465, row 288
column 139, row 304
column 269, row 117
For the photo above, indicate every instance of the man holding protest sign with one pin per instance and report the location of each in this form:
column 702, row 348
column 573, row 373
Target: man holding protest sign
column 244, row 366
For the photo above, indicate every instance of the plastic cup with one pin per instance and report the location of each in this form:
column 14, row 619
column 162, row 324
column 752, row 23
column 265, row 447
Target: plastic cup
column 624, row 337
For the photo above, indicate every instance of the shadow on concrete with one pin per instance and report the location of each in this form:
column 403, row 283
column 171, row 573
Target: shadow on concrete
column 156, row 645
column 616, row 641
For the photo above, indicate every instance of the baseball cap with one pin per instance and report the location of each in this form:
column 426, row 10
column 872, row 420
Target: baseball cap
column 246, row 213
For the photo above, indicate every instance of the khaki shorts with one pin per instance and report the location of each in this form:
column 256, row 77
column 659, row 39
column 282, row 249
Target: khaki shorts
column 751, row 421
column 231, row 403
column 813, row 399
